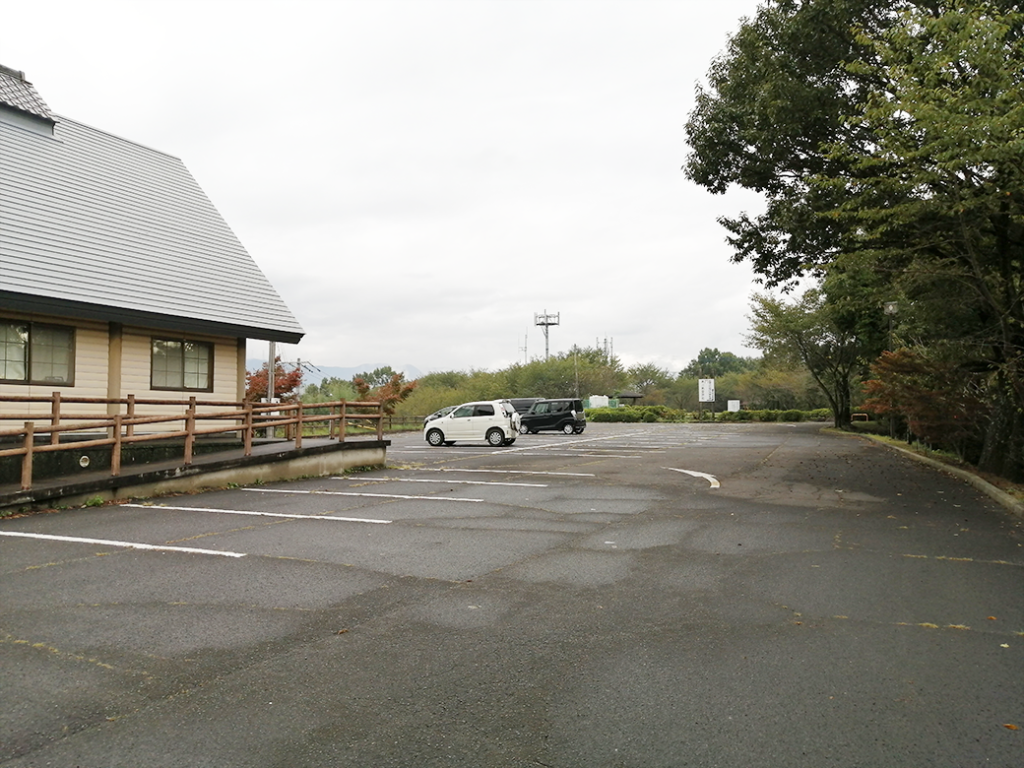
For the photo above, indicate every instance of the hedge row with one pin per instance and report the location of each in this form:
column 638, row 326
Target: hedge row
column 656, row 413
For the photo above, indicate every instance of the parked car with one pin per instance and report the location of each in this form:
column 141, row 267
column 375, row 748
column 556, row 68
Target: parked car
column 495, row 421
column 438, row 414
column 565, row 415
column 524, row 404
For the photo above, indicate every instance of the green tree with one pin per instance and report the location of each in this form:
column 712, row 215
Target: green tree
column 710, row 363
column 936, row 192
column 330, row 389
column 886, row 136
column 775, row 100
column 810, row 331
column 646, row 378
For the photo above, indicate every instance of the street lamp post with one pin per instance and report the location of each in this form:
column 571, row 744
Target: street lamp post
column 891, row 308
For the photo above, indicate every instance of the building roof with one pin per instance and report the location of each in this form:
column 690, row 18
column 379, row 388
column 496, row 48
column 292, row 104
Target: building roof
column 92, row 225
column 19, row 93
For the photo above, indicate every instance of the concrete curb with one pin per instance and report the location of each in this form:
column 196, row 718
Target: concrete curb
column 1001, row 496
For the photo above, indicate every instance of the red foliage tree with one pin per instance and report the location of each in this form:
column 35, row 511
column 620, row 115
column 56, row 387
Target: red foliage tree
column 389, row 394
column 942, row 404
column 286, row 383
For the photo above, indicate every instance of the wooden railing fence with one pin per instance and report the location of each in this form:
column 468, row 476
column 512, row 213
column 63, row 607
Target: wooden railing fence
column 245, row 418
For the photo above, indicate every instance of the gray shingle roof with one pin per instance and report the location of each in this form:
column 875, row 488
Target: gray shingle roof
column 18, row 92
column 115, row 230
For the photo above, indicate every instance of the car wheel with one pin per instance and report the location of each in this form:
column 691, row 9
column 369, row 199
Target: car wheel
column 510, row 441
column 495, row 437
column 523, row 429
column 568, row 429
column 435, row 437
column 578, row 430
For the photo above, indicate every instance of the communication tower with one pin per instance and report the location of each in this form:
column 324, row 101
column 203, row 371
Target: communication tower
column 546, row 320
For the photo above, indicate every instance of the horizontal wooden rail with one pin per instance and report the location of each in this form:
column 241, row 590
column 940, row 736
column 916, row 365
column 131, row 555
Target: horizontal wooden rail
column 246, row 419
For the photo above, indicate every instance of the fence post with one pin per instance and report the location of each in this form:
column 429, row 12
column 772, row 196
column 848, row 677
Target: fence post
column 247, row 433
column 298, row 426
column 331, row 426
column 343, row 422
column 380, row 421
column 190, row 429
column 131, row 416
column 115, row 450
column 26, row 461
column 55, row 418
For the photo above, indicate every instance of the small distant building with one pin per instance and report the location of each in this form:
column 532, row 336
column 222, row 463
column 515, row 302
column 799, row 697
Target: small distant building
column 628, row 398
column 117, row 274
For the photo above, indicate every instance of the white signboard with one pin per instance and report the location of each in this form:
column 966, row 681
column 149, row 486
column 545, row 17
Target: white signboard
column 706, row 390
column 734, row 405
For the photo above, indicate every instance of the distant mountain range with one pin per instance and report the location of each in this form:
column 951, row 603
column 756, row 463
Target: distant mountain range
column 314, row 375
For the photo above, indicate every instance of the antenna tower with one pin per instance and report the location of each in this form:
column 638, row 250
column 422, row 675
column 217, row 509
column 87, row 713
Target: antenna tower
column 546, row 320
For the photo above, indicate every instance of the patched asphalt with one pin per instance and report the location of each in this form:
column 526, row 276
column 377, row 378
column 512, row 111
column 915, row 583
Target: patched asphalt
column 565, row 601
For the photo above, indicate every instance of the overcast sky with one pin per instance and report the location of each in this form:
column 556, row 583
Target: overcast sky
column 419, row 179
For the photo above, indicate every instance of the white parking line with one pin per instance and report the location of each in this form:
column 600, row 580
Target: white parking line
column 566, row 443
column 505, row 471
column 424, row 480
column 353, row 493
column 581, row 455
column 710, row 478
column 122, row 544
column 260, row 514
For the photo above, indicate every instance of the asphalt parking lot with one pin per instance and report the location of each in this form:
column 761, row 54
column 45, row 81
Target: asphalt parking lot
column 638, row 595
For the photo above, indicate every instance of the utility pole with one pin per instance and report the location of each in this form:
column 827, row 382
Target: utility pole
column 271, row 371
column 546, row 320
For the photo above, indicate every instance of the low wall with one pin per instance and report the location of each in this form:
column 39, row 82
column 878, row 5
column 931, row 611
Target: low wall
column 206, row 473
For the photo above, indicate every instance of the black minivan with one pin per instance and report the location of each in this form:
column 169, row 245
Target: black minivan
column 565, row 415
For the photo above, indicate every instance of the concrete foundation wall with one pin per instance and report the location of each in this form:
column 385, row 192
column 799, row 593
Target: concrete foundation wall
column 207, row 475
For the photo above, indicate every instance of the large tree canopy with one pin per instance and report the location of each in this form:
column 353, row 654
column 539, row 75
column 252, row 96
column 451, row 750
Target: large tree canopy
column 886, row 136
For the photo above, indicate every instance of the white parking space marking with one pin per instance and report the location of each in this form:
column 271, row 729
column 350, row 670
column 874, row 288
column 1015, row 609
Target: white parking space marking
column 122, row 544
column 565, row 443
column 582, row 455
column 424, row 480
column 710, row 478
column 260, row 514
column 353, row 493
column 506, row 471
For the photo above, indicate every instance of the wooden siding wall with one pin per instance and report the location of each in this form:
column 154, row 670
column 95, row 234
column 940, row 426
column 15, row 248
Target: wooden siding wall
column 91, row 355
column 93, row 348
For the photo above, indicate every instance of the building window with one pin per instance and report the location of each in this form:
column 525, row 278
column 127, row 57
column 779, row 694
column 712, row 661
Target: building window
column 182, row 365
column 31, row 353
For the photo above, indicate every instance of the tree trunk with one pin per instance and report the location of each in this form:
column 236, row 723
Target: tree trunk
column 1002, row 452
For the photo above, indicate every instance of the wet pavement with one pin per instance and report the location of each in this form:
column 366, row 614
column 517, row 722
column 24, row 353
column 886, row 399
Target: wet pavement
column 638, row 595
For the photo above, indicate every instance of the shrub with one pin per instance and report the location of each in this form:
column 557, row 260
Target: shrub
column 791, row 415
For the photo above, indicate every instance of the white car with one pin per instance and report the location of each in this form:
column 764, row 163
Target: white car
column 494, row 421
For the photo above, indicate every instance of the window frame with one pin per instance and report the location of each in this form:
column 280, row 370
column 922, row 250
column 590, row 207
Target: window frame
column 32, row 328
column 182, row 342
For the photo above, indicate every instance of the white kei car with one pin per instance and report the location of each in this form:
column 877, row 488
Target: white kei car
column 495, row 421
